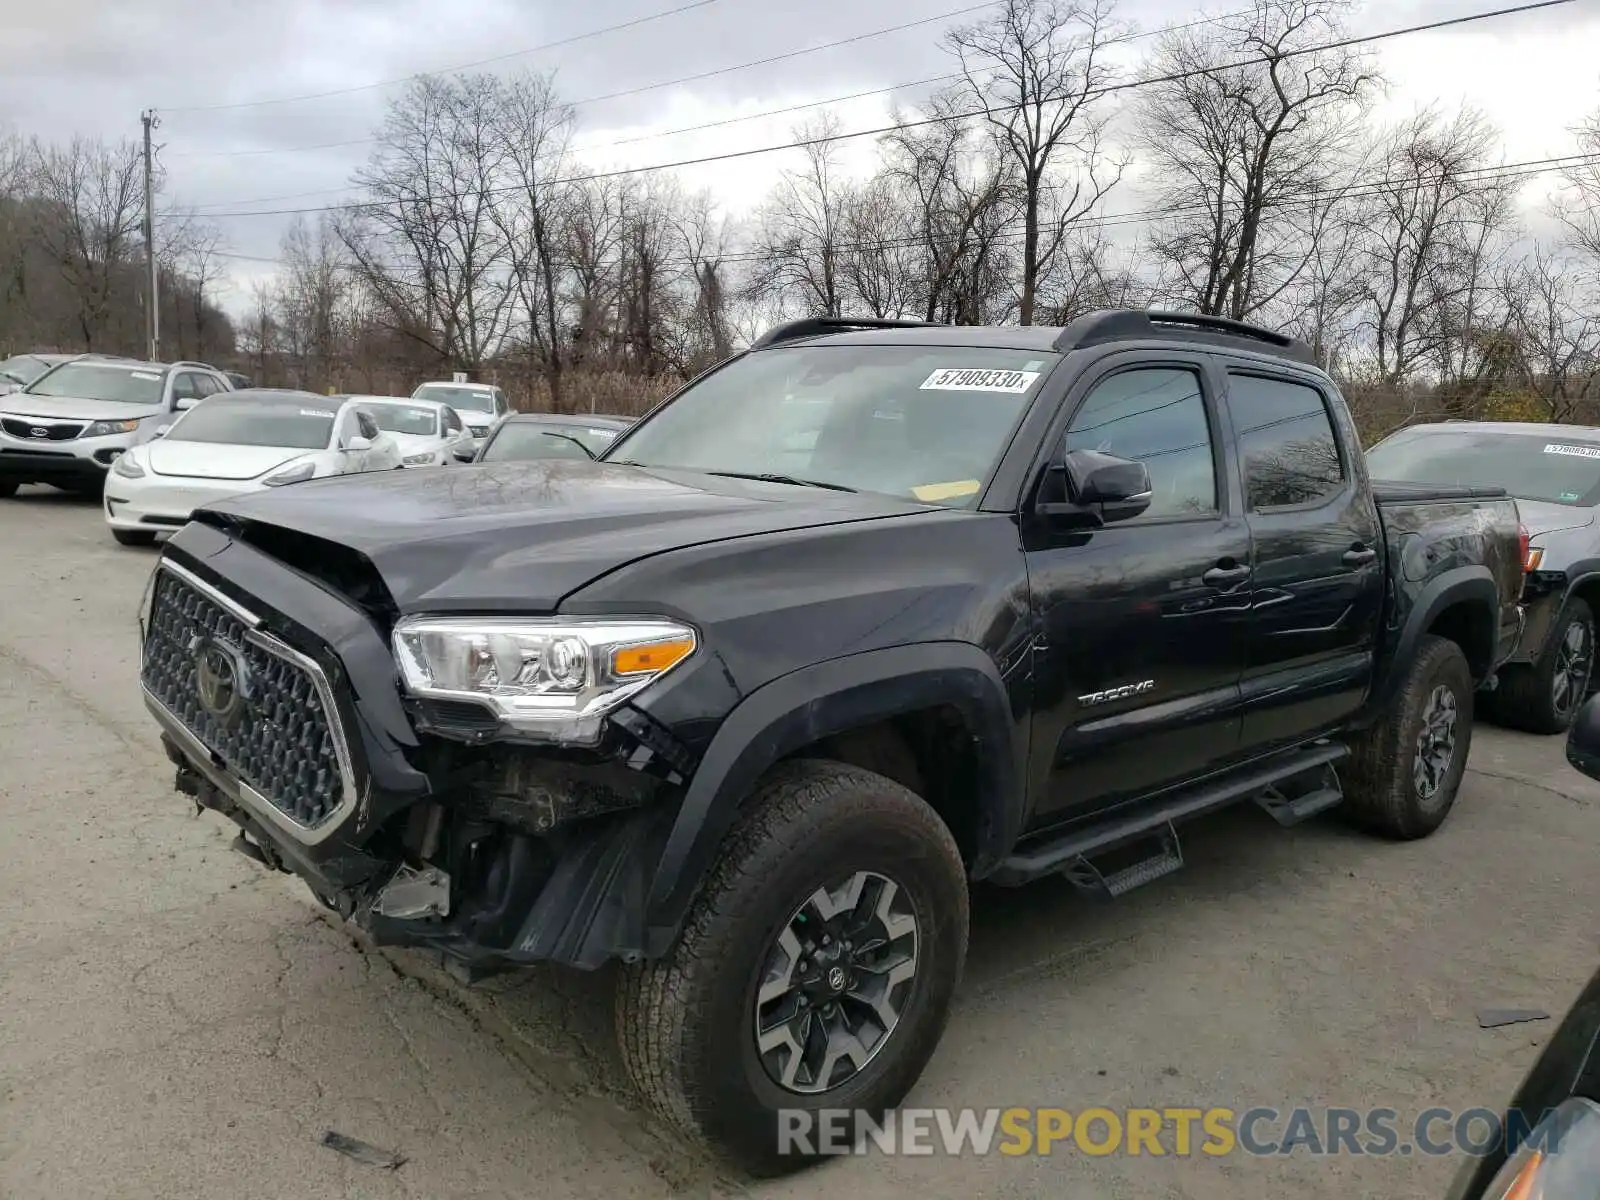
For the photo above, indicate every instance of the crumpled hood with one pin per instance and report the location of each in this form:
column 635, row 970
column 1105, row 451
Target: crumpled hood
column 520, row 536
column 66, row 408
column 1540, row 517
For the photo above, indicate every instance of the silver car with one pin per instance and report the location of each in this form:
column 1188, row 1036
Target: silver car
column 1554, row 473
column 70, row 424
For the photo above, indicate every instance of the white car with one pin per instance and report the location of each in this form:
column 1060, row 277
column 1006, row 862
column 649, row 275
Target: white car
column 481, row 406
column 430, row 434
column 243, row 442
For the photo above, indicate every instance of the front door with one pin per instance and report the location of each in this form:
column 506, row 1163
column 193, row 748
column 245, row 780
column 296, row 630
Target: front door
column 1144, row 623
column 1317, row 590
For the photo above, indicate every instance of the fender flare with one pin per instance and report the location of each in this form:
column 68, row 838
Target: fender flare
column 818, row 701
column 1472, row 585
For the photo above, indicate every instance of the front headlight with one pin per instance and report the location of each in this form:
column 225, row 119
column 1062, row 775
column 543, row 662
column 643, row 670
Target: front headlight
column 292, row 475
column 477, row 431
column 127, row 466
column 418, row 460
column 550, row 678
column 107, row 428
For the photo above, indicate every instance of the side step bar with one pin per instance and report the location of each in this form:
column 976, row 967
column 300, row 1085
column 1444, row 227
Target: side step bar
column 1071, row 853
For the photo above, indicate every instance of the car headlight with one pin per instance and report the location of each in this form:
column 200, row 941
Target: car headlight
column 1558, row 1160
column 418, row 460
column 550, row 678
column 478, row 430
column 292, row 475
column 107, row 428
column 127, row 466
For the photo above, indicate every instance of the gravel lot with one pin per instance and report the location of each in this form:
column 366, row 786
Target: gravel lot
column 176, row 1022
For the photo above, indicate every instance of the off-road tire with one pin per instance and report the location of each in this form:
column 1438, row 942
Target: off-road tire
column 133, row 537
column 8, row 488
column 1525, row 696
column 685, row 1022
column 1380, row 792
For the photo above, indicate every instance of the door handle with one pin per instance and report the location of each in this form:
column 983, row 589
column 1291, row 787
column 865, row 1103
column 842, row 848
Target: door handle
column 1359, row 555
column 1220, row 576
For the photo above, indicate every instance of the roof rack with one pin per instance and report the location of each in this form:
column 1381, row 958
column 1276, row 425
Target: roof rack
column 1120, row 325
column 186, row 363
column 807, row 327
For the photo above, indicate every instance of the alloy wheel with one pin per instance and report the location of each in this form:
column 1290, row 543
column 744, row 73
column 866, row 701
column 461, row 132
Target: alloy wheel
column 1436, row 743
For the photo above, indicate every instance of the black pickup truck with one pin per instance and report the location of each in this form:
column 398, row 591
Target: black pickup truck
column 868, row 611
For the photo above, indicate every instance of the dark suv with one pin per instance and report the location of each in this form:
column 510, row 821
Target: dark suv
column 866, row 612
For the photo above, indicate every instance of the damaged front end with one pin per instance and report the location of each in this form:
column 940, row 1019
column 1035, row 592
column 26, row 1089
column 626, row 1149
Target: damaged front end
column 431, row 820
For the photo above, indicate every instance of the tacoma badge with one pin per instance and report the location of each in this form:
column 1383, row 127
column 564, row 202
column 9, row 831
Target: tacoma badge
column 1118, row 693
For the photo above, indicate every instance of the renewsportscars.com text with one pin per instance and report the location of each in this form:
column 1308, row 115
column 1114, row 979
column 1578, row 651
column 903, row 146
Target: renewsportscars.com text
column 1158, row 1132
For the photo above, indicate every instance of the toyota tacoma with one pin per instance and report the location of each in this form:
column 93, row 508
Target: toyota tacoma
column 871, row 610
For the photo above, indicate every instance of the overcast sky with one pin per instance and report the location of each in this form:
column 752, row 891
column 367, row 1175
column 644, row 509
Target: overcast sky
column 82, row 66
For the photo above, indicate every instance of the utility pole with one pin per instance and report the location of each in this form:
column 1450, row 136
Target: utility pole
column 154, row 300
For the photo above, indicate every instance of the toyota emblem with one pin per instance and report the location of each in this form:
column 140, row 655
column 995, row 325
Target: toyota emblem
column 38, row 431
column 220, row 680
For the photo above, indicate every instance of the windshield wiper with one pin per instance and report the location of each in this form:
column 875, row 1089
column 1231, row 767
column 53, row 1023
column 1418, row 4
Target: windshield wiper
column 567, row 437
column 769, row 478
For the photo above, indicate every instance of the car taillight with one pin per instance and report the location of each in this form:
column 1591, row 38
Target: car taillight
column 1526, row 552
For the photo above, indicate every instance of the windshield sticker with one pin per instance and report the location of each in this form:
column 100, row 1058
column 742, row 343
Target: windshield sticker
column 1567, row 497
column 946, row 491
column 608, row 434
column 145, row 374
column 958, row 379
column 315, row 412
column 1574, row 451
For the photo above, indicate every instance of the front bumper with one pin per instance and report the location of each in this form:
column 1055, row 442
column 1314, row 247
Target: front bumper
column 160, row 502
column 577, row 896
column 76, row 461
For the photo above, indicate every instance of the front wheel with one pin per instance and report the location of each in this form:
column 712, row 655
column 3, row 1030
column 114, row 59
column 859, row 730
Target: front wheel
column 1404, row 772
column 1545, row 696
column 815, row 970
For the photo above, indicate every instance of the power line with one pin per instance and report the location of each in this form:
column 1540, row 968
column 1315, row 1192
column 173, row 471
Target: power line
column 482, row 62
column 830, row 139
column 666, row 133
column 666, row 83
column 1366, row 190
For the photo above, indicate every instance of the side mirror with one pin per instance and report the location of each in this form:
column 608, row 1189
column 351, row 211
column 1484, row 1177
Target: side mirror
column 357, row 444
column 184, row 403
column 1583, row 739
column 1101, row 488
column 162, row 432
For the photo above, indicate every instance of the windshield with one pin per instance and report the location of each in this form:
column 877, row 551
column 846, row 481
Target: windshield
column 405, row 418
column 1548, row 467
column 462, row 399
column 928, row 422
column 100, row 381
column 241, row 423
column 24, row 368
column 520, row 441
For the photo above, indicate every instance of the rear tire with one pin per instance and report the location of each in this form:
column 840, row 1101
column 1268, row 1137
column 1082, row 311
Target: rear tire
column 831, row 878
column 1545, row 696
column 133, row 537
column 1404, row 772
column 8, row 488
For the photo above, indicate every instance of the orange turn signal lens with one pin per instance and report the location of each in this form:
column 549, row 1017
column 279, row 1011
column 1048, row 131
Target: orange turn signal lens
column 1526, row 1184
column 651, row 659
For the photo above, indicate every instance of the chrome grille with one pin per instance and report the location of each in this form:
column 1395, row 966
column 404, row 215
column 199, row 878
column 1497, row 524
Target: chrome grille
column 280, row 738
column 31, row 430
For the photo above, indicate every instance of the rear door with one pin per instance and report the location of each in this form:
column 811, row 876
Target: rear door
column 1317, row 588
column 1144, row 623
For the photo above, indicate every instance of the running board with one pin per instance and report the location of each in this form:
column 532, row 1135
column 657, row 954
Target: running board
column 1294, row 801
column 1072, row 851
column 1084, row 875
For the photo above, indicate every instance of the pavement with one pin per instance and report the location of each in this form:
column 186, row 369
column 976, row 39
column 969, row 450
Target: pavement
column 177, row 1022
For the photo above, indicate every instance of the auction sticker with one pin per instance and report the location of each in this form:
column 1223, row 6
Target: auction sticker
column 1574, row 451
column 961, row 379
column 315, row 412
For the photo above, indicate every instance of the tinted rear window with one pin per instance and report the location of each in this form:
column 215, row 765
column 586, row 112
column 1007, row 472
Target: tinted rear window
column 1549, row 467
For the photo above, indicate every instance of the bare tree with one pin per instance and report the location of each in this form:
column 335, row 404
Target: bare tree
column 800, row 232
column 706, row 237
column 1558, row 331
column 87, row 220
column 1040, row 73
column 1246, row 118
column 428, row 245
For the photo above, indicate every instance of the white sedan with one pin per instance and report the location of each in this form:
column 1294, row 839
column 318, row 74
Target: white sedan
column 239, row 442
column 430, row 434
